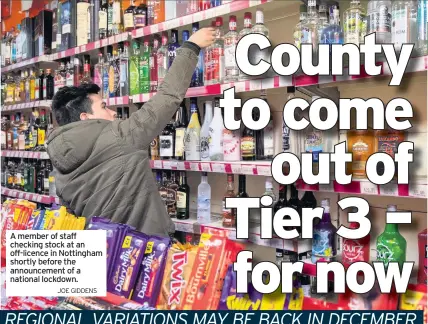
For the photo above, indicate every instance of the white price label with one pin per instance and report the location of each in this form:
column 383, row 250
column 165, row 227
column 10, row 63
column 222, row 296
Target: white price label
column 21, row 195
column 198, row 16
column 187, row 20
column 119, row 101
column 326, row 187
column 247, row 169
column 184, row 227
column 236, row 168
column 255, row 85
column 97, row 44
column 368, row 188
column 276, row 243
column 417, row 191
column 181, row 166
column 264, row 171
column 390, row 189
column 231, row 235
column 154, row 28
column 194, row 166
column 167, row 165
column 222, row 10
column 217, row 167
column 27, row 196
column 83, row 49
column 39, row 198
column 206, row 167
column 158, row 164
column 173, row 165
column 240, row 86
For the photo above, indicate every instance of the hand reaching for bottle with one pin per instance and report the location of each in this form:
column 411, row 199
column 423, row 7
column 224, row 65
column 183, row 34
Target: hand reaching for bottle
column 204, row 37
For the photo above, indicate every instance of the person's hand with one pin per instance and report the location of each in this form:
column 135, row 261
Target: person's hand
column 204, row 37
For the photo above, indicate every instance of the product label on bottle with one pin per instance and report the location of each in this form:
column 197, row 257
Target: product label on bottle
column 217, row 65
column 171, row 196
column 46, row 183
column 36, row 90
column 111, row 79
column 164, row 195
column 353, row 251
column 21, row 142
column 18, row 178
column 3, row 139
column 385, row 254
column 102, row 20
column 181, row 200
column 307, row 36
column 41, row 137
column 179, row 142
column 82, row 23
column 116, row 13
column 140, row 20
column 166, row 145
column 228, row 215
column 123, row 73
column 192, row 144
column 360, row 154
column 268, row 140
column 422, row 21
column 128, row 20
column 285, row 138
column 205, row 148
column 144, row 74
column 231, row 145
column 229, row 56
column 215, row 144
column 110, row 18
column 69, row 79
column 322, row 245
column 389, row 143
column 354, row 27
column 313, row 144
column 154, row 149
column 97, row 77
column 204, row 207
column 400, row 27
column 248, row 147
column 134, row 77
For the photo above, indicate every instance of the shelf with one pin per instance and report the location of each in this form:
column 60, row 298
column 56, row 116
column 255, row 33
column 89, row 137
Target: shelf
column 416, row 189
column 117, row 101
column 26, row 63
column 27, row 105
column 90, row 46
column 224, row 9
column 26, row 155
column 192, row 226
column 416, row 64
column 43, row 199
column 241, row 167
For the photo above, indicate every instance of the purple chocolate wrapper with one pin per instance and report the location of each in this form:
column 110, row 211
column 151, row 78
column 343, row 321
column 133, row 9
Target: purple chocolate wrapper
column 151, row 272
column 127, row 264
column 114, row 239
column 229, row 291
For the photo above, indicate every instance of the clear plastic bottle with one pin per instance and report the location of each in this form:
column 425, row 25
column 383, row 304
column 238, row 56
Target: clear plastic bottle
column 379, row 20
column 354, row 23
column 404, row 30
column 205, row 131
column 310, row 26
column 422, row 22
column 297, row 32
column 204, row 200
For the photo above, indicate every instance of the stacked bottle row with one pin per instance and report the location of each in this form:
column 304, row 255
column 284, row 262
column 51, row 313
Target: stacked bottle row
column 398, row 22
column 28, row 175
column 73, row 23
column 26, row 86
column 20, row 134
column 185, row 139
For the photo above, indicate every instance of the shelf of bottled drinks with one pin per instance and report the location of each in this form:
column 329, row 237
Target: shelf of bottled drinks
column 25, row 154
column 42, row 199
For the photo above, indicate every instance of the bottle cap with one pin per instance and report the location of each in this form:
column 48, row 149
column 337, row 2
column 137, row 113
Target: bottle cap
column 259, row 17
column 219, row 22
column 248, row 15
column 232, row 18
column 204, row 174
column 185, row 35
column 391, row 208
column 325, row 203
column 315, row 98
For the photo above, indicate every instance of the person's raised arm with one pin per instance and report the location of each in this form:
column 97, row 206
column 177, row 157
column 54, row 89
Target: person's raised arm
column 148, row 122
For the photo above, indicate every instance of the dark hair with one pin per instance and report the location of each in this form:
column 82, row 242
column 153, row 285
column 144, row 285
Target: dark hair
column 69, row 102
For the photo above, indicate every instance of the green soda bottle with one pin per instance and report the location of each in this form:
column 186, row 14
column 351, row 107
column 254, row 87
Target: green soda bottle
column 144, row 70
column 391, row 245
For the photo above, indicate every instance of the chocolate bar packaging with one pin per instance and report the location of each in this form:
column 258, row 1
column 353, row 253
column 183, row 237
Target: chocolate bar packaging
column 127, row 264
column 152, row 269
column 43, row 33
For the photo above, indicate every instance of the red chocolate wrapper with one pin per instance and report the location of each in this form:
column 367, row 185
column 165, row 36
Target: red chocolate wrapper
column 148, row 285
column 127, row 264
